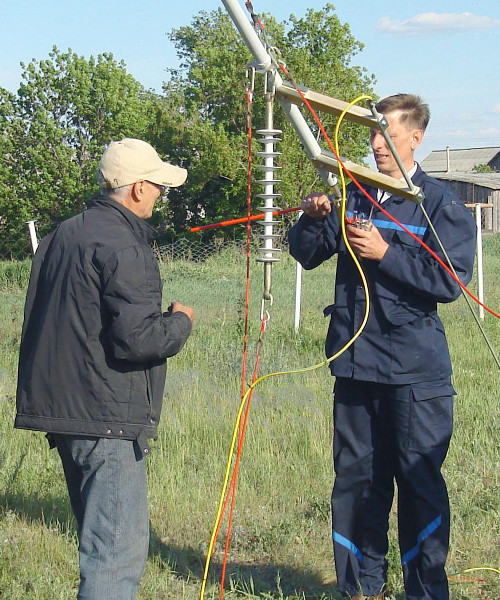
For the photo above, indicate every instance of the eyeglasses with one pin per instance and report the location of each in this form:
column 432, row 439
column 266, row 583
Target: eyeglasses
column 163, row 193
column 163, row 188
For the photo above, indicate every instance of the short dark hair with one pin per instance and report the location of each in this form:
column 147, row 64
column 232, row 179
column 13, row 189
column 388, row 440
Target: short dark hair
column 415, row 113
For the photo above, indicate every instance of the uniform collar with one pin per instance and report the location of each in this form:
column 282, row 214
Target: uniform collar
column 382, row 195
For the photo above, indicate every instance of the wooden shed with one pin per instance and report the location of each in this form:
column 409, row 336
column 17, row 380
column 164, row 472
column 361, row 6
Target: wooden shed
column 457, row 169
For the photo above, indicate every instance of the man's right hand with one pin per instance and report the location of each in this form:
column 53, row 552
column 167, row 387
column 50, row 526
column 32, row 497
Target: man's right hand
column 178, row 307
column 316, row 205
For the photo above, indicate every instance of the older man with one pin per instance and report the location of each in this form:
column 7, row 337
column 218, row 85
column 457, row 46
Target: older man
column 93, row 361
column 393, row 403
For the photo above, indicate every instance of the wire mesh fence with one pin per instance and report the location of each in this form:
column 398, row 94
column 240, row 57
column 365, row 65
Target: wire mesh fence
column 17, row 245
column 196, row 251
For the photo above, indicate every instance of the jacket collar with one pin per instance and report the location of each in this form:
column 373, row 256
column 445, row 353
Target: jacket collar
column 418, row 179
column 141, row 229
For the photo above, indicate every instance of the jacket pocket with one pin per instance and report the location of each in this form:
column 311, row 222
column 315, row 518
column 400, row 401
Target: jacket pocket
column 328, row 310
column 405, row 240
column 419, row 346
column 140, row 399
column 338, row 328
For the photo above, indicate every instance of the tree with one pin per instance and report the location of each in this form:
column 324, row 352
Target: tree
column 204, row 108
column 54, row 130
column 484, row 168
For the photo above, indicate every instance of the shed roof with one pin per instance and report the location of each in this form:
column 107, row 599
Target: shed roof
column 487, row 180
column 460, row 160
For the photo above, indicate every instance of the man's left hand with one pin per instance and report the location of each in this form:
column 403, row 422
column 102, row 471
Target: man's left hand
column 367, row 243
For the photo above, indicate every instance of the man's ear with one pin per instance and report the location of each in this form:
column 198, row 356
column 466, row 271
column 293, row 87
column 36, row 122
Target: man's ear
column 416, row 138
column 137, row 191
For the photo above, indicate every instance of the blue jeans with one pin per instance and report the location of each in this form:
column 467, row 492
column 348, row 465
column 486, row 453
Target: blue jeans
column 107, row 486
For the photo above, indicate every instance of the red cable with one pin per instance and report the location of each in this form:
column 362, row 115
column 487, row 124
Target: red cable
column 247, row 292
column 234, row 478
column 241, row 220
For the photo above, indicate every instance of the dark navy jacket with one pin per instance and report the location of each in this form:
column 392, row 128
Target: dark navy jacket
column 404, row 340
column 94, row 342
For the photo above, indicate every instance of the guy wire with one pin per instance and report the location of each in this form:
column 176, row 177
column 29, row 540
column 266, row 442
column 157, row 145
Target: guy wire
column 466, row 297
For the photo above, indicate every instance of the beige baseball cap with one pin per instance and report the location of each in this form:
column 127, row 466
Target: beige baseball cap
column 130, row 160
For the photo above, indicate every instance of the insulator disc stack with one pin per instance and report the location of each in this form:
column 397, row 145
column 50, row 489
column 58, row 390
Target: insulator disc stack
column 268, row 250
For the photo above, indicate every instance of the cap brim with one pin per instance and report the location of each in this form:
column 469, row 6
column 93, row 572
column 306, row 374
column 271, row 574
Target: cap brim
column 169, row 175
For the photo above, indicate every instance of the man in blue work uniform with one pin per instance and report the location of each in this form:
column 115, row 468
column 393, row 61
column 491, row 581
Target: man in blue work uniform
column 393, row 397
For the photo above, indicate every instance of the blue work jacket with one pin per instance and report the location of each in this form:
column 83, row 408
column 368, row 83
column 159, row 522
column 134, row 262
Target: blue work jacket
column 404, row 340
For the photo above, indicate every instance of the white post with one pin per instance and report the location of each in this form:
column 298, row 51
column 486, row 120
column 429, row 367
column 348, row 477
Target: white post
column 33, row 237
column 298, row 291
column 480, row 285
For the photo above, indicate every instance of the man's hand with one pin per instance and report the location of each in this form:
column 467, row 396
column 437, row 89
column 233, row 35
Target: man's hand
column 316, row 205
column 178, row 307
column 367, row 244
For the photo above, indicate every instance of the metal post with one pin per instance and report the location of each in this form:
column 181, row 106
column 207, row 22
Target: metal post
column 480, row 285
column 248, row 34
column 33, row 236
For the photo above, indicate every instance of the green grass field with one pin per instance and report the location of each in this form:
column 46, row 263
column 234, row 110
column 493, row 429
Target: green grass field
column 281, row 539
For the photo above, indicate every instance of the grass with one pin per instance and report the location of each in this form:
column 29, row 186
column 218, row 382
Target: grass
column 281, row 541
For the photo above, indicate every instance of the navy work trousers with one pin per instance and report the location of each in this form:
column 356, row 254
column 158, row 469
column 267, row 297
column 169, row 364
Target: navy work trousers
column 107, row 486
column 386, row 433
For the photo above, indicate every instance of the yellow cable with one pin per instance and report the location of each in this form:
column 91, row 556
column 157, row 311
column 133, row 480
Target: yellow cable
column 293, row 372
column 342, row 222
column 482, row 569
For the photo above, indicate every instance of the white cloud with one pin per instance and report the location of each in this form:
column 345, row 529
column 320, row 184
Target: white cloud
column 434, row 23
column 496, row 108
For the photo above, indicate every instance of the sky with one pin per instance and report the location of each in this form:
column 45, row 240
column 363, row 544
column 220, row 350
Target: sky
column 447, row 52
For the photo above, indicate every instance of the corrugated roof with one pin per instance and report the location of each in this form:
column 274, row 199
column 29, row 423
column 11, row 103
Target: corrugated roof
column 487, row 180
column 460, row 160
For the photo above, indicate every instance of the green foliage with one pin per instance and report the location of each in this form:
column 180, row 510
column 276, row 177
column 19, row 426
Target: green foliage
column 484, row 168
column 54, row 131
column 205, row 109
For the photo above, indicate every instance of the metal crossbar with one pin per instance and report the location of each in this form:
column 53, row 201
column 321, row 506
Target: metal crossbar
column 291, row 98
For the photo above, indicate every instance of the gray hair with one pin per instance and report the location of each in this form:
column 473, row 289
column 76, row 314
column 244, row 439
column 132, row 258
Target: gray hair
column 118, row 194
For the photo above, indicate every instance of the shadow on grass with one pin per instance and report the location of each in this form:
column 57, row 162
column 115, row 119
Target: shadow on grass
column 48, row 511
column 267, row 580
column 254, row 579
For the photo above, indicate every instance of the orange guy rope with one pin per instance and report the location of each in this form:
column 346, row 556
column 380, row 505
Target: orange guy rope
column 242, row 220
